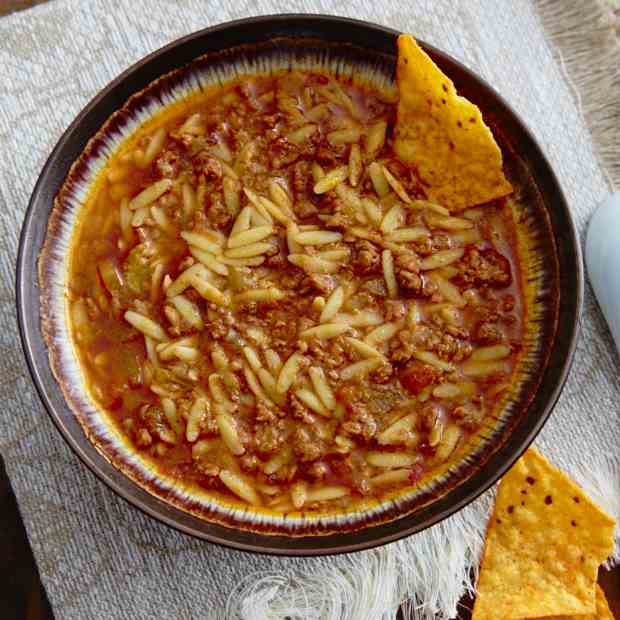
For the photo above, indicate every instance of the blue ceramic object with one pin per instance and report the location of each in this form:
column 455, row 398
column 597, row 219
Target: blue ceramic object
column 603, row 261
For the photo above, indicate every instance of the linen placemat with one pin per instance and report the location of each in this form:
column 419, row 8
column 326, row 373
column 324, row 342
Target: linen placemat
column 100, row 558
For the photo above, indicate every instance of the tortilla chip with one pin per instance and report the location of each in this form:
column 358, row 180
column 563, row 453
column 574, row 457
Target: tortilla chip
column 602, row 606
column 443, row 135
column 602, row 611
column 545, row 542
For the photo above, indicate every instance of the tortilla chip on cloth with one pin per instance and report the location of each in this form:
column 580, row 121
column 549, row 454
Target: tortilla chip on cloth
column 602, row 611
column 545, row 542
column 443, row 135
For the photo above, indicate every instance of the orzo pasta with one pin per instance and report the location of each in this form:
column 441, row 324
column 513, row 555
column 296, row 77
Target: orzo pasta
column 266, row 302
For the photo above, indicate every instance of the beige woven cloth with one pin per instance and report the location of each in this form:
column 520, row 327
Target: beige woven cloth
column 100, row 558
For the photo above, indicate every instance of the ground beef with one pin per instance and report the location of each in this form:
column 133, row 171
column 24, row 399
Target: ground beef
column 453, row 349
column 429, row 414
column 467, row 415
column 330, row 353
column 217, row 214
column 430, row 338
column 239, row 137
column 292, row 279
column 429, row 245
column 277, row 257
column 444, row 345
column 394, row 310
column 284, row 153
column 276, row 261
column 407, row 178
column 330, row 156
column 359, row 421
column 318, row 470
column 407, row 261
column 157, row 424
column 212, row 169
column 306, row 445
column 488, row 312
column 378, row 398
column 209, row 166
column 168, row 164
column 271, row 120
column 301, row 179
column 305, row 209
column 483, row 268
column 299, row 410
column 218, row 326
column 338, row 221
column 411, row 283
column 366, row 258
column 249, row 462
column 192, row 143
column 382, row 374
column 283, row 337
column 487, row 333
column 375, row 287
column 318, row 283
column 416, row 375
column 268, row 437
column 457, row 331
column 338, row 212
column 266, row 411
column 409, row 280
column 423, row 246
column 176, row 157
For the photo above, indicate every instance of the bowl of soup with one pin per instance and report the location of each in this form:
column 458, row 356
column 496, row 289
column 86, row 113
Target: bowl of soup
column 250, row 318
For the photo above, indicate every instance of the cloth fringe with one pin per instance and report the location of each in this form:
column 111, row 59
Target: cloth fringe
column 585, row 40
column 371, row 585
column 602, row 484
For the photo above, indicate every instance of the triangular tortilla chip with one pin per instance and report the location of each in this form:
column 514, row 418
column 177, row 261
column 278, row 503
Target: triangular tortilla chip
column 602, row 611
column 443, row 135
column 545, row 542
column 602, row 606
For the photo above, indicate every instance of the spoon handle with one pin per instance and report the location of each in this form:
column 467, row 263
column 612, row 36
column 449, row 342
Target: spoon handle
column 603, row 261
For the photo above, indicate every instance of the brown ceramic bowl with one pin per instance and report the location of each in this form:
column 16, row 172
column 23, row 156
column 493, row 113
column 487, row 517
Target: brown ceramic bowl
column 553, row 273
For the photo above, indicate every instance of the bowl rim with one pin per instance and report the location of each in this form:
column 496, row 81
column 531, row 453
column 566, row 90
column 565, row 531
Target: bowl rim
column 28, row 315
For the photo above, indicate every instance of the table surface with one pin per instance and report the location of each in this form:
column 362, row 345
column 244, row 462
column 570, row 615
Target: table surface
column 21, row 593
